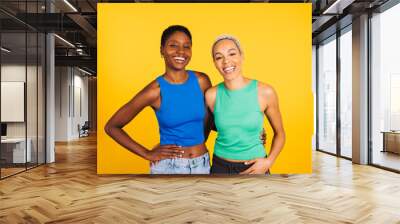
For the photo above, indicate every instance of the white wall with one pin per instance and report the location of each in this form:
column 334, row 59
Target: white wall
column 61, row 103
column 71, row 102
column 81, row 101
column 33, row 127
column 16, row 73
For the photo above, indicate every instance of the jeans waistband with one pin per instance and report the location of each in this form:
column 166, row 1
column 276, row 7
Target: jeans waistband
column 194, row 160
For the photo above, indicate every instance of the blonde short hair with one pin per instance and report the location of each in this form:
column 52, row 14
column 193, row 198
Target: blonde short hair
column 226, row 37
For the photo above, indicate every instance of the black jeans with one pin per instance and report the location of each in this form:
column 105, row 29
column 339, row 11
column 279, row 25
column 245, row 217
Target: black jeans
column 221, row 166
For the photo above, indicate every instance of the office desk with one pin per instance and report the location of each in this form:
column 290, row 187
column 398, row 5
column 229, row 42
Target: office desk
column 13, row 150
column 391, row 141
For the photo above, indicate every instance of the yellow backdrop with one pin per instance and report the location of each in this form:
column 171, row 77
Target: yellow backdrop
column 276, row 39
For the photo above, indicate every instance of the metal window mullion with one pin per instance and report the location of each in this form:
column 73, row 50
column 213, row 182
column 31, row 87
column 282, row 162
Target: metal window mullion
column 69, row 92
column 45, row 88
column 45, row 94
column 317, row 96
column 338, row 80
column 26, row 87
column 369, row 89
column 73, row 91
column 37, row 91
column 60, row 88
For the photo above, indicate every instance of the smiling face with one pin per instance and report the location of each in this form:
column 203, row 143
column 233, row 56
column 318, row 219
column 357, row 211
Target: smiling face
column 228, row 59
column 177, row 51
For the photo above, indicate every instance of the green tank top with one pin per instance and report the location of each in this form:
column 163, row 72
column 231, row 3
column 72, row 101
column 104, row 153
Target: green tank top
column 239, row 122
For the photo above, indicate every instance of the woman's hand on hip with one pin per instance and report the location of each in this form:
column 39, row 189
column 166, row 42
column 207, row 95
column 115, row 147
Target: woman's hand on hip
column 260, row 166
column 160, row 152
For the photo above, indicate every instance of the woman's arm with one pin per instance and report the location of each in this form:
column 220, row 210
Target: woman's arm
column 269, row 101
column 149, row 96
column 205, row 84
column 210, row 96
column 275, row 119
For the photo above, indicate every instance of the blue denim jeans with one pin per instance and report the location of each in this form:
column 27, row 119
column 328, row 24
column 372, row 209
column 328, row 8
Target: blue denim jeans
column 198, row 165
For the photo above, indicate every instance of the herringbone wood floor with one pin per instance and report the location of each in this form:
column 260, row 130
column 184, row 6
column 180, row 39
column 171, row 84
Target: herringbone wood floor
column 70, row 191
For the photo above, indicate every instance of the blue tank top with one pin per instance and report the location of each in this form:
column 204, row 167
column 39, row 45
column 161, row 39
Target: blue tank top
column 182, row 111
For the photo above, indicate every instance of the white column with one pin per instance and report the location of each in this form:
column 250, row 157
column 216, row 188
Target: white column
column 50, row 92
column 360, row 90
column 50, row 98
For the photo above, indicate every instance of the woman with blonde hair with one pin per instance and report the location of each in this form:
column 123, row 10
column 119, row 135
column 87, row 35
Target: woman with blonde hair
column 239, row 105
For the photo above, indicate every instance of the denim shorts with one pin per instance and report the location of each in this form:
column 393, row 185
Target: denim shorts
column 198, row 165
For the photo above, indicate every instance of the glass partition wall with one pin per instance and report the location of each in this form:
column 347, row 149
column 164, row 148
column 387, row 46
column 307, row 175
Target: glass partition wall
column 345, row 62
column 385, row 89
column 334, row 93
column 327, row 95
column 334, row 90
column 22, row 87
